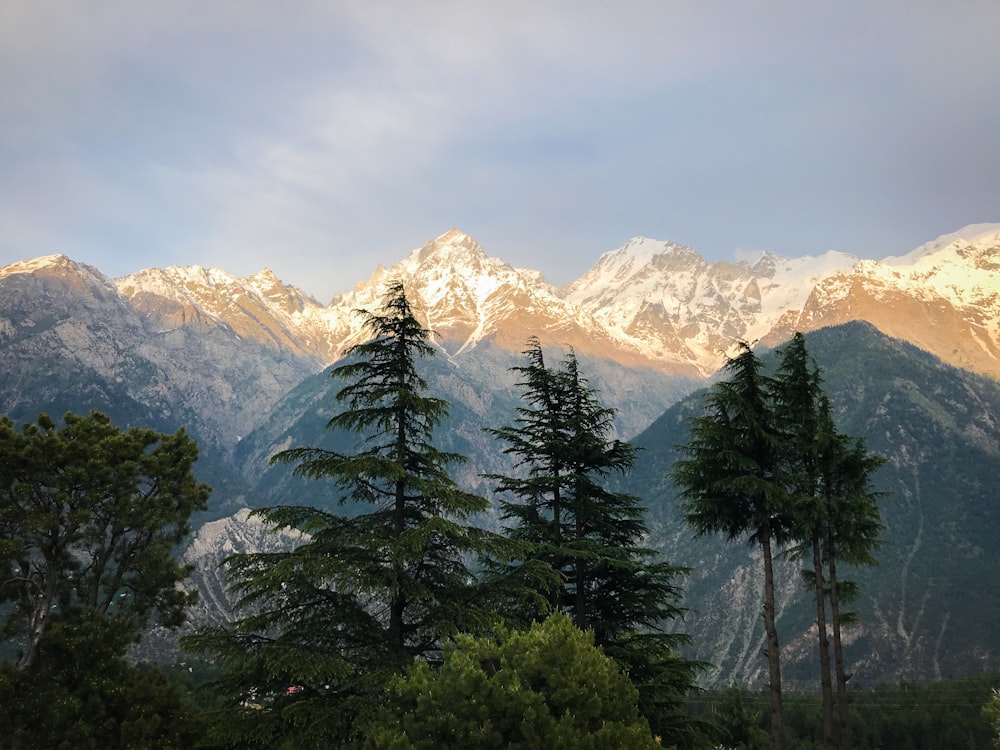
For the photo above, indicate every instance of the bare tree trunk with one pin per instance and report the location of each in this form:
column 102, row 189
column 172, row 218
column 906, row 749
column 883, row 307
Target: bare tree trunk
column 826, row 687
column 843, row 702
column 773, row 650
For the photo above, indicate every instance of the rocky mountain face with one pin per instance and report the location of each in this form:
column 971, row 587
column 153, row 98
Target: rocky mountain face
column 201, row 347
column 70, row 338
column 241, row 361
column 930, row 608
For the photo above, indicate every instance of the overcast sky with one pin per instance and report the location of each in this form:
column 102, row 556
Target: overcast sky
column 320, row 139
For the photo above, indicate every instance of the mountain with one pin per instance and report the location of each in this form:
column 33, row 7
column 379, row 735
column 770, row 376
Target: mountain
column 930, row 609
column 243, row 364
column 204, row 348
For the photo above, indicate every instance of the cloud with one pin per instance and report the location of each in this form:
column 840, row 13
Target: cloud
column 322, row 138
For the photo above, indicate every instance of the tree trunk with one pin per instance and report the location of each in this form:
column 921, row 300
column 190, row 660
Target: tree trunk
column 773, row 650
column 558, row 594
column 826, row 687
column 843, row 702
column 397, row 602
column 582, row 615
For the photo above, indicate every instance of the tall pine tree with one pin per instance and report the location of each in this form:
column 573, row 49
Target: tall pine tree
column 766, row 461
column 853, row 527
column 730, row 483
column 331, row 620
column 795, row 391
column 567, row 517
column 828, row 477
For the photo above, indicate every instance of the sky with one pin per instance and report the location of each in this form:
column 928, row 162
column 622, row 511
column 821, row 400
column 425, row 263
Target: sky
column 321, row 139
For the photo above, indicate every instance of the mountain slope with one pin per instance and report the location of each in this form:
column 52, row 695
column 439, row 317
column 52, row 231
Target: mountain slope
column 930, row 609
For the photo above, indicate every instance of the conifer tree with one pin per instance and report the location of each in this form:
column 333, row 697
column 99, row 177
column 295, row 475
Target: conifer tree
column 331, row 620
column 766, row 460
column 828, row 477
column 547, row 687
column 795, row 391
column 730, row 483
column 853, row 526
column 590, row 535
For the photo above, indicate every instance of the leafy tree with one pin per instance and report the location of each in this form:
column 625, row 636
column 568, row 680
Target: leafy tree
column 89, row 518
column 332, row 619
column 567, row 517
column 730, row 483
column 548, row 687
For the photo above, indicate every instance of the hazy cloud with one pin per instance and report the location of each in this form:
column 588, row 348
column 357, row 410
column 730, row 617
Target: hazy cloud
column 322, row 138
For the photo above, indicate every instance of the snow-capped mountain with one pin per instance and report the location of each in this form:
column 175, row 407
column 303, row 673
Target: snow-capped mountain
column 648, row 302
column 240, row 361
column 200, row 346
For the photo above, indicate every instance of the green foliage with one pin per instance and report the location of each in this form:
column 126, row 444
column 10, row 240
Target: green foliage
column 567, row 518
column 928, row 716
column 89, row 518
column 81, row 694
column 736, row 726
column 729, row 478
column 766, row 461
column 327, row 623
column 548, row 687
column 730, row 482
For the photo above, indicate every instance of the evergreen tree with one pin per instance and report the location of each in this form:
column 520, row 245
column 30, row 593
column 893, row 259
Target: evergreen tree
column 795, row 392
column 731, row 483
column 568, row 518
column 331, row 620
column 853, row 526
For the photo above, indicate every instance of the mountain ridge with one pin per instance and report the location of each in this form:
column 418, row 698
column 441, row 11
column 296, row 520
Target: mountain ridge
column 244, row 365
column 650, row 302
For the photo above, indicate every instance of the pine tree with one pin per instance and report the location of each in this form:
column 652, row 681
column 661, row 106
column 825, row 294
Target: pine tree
column 731, row 483
column 835, row 514
column 331, row 620
column 795, row 391
column 853, row 526
column 547, row 687
column 590, row 535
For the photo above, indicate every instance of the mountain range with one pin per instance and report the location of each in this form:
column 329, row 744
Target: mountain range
column 242, row 363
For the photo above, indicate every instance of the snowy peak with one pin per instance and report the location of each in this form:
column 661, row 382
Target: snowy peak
column 649, row 302
column 259, row 307
column 976, row 237
column 53, row 265
column 463, row 294
column 638, row 260
column 454, row 247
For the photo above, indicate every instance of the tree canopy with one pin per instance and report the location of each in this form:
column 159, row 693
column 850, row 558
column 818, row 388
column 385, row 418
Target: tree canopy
column 559, row 505
column 90, row 516
column 547, row 687
column 367, row 591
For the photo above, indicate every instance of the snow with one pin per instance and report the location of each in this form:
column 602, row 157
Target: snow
column 977, row 234
column 654, row 298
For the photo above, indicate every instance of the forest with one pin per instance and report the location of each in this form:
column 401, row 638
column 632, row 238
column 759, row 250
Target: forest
column 399, row 622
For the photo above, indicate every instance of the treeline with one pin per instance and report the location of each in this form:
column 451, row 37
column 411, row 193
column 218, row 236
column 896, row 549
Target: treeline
column 400, row 620
column 924, row 716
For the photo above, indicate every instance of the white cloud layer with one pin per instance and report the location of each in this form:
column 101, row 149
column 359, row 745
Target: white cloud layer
column 322, row 138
